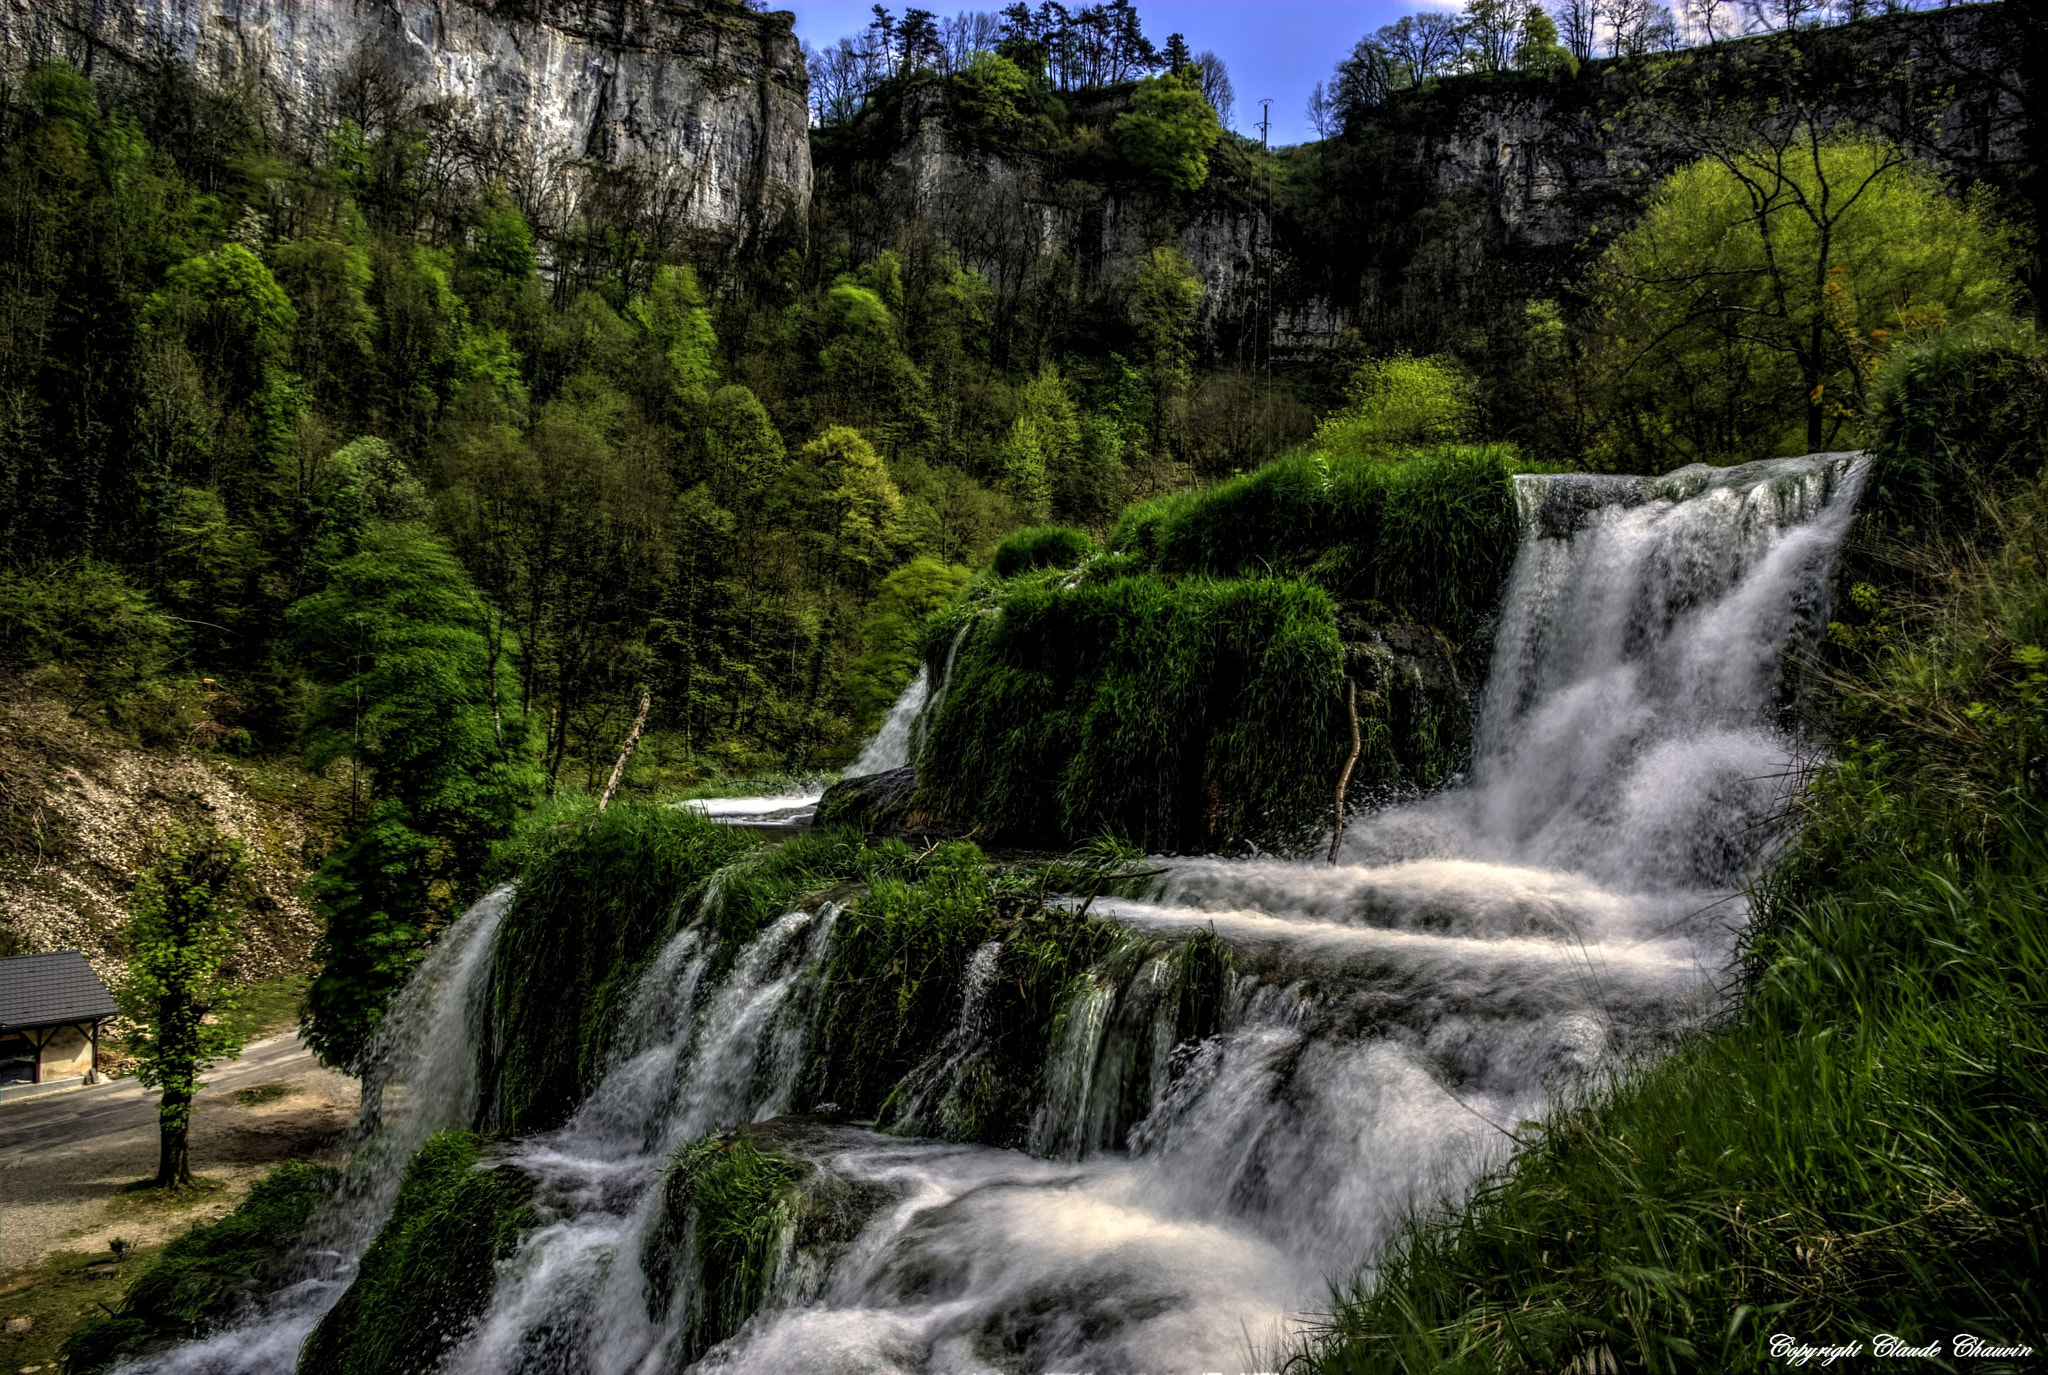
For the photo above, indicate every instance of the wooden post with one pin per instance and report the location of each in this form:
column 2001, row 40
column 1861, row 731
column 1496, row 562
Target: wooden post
column 1344, row 779
column 632, row 739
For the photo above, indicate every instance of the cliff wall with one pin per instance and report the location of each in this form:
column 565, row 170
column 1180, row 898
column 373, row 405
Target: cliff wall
column 703, row 102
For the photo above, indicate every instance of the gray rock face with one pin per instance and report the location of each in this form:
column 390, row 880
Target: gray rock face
column 702, row 102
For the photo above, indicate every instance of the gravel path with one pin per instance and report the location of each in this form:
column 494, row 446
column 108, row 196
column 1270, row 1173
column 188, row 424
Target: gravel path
column 64, row 1158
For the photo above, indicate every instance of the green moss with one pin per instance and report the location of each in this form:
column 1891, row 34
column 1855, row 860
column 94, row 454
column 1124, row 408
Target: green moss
column 428, row 1274
column 1040, row 546
column 1175, row 714
column 891, row 983
column 599, row 896
column 205, row 1276
column 1431, row 538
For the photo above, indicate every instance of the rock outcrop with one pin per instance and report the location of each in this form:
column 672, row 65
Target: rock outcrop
column 700, row 102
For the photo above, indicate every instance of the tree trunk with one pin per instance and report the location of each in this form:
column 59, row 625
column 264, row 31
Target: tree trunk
column 626, row 752
column 174, row 1119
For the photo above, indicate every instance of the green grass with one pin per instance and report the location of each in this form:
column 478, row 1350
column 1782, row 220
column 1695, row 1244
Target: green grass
column 1040, row 546
column 737, row 1204
column 203, row 1278
column 269, row 1006
column 1429, row 539
column 598, row 897
column 428, row 1274
column 256, row 1095
column 60, row 1294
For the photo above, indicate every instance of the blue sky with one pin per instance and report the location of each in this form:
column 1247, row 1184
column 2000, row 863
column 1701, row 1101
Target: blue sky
column 1277, row 48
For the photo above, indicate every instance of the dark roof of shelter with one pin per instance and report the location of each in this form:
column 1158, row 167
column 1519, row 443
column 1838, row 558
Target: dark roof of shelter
column 49, row 990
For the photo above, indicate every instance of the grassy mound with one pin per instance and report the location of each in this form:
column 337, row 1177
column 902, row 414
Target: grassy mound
column 1862, row 1149
column 428, row 1274
column 1429, row 539
column 1040, row 546
column 1186, row 690
column 598, row 897
column 1176, row 714
column 203, row 1278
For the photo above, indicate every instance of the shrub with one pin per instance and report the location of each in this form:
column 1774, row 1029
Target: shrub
column 1399, row 405
column 1040, row 546
column 1960, row 416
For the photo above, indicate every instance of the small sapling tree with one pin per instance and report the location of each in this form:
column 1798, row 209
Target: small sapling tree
column 187, row 914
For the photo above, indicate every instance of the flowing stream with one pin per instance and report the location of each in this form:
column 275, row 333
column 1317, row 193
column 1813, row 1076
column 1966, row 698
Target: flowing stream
column 891, row 747
column 1555, row 916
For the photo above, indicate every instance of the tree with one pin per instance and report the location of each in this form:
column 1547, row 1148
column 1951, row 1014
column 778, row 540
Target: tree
column 1164, row 308
column 861, row 505
column 1492, row 30
column 1216, row 87
column 1538, row 48
column 1168, row 131
column 1400, row 403
column 186, row 926
column 426, row 714
column 1044, row 441
column 672, row 313
column 889, row 632
column 1424, row 45
column 1745, row 314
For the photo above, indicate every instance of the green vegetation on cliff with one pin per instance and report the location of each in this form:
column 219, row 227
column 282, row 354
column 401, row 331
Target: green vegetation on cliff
column 427, row 1276
column 1187, row 689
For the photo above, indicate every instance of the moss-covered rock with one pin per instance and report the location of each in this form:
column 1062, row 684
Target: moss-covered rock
column 206, row 1277
column 742, row 1210
column 427, row 1276
column 594, row 905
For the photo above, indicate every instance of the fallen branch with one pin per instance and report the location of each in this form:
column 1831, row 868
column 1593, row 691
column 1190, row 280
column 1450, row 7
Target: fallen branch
column 1344, row 779
column 632, row 740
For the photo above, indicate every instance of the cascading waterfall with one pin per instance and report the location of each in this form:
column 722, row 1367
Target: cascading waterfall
column 1374, row 1031
column 890, row 747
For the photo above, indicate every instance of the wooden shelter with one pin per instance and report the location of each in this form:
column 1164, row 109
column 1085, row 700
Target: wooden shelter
column 51, row 1008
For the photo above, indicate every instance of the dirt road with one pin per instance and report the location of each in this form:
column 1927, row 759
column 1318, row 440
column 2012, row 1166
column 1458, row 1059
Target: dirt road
column 64, row 1158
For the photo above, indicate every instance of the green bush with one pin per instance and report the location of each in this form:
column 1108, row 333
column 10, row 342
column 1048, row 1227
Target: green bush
column 427, row 1276
column 597, row 900
column 86, row 620
column 204, row 1277
column 1399, row 405
column 1040, row 546
column 1186, row 714
column 1432, row 538
column 736, row 1204
column 1959, row 417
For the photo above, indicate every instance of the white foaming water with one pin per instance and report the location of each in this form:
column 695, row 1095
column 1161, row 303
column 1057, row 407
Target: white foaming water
column 425, row 1057
column 1472, row 956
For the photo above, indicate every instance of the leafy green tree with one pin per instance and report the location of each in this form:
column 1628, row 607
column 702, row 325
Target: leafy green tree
column 1168, row 131
column 1164, row 308
column 1747, row 312
column 501, row 243
column 1539, row 48
column 673, row 314
column 746, row 452
column 184, row 930
column 861, row 507
column 889, row 634
column 990, row 93
column 1400, row 403
column 1044, row 443
column 425, row 714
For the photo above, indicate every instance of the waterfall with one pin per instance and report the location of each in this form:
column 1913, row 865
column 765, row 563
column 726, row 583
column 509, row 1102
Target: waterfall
column 424, row 1054
column 891, row 746
column 1371, row 1033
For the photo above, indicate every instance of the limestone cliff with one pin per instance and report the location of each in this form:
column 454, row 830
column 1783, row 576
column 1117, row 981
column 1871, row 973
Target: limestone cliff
column 701, row 101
